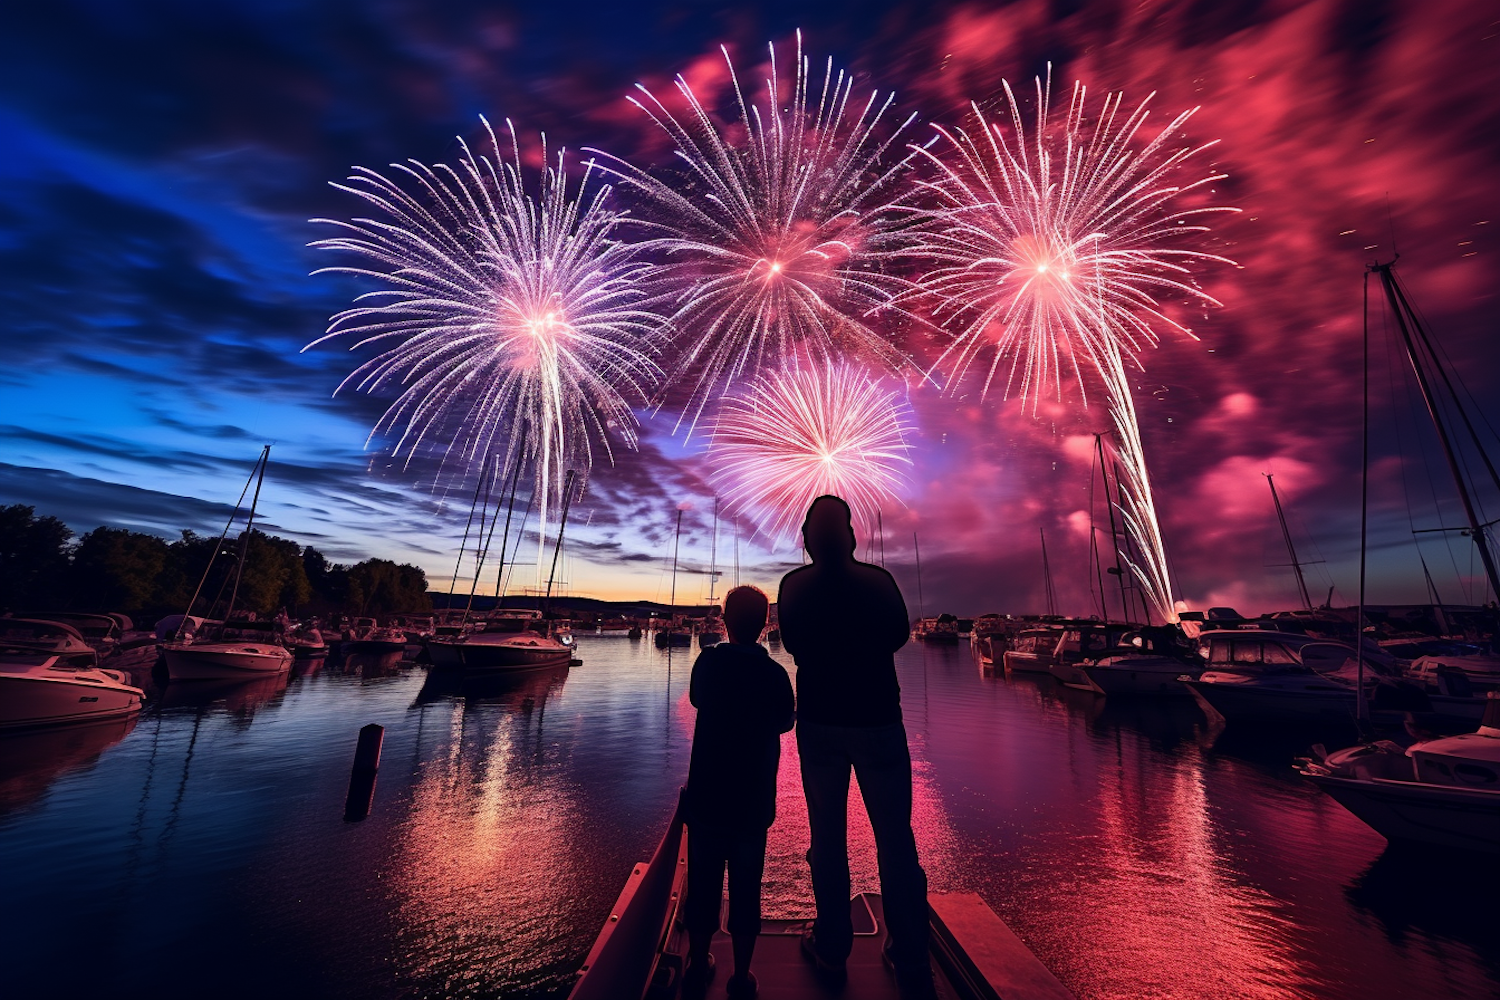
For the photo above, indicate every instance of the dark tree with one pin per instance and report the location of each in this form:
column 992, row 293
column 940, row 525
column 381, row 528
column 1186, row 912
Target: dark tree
column 33, row 559
column 115, row 569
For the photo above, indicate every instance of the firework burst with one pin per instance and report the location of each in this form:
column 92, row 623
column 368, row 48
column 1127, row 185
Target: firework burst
column 1047, row 243
column 792, row 436
column 775, row 234
column 1053, row 248
column 512, row 324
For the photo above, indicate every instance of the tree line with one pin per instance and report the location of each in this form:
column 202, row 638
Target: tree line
column 43, row 567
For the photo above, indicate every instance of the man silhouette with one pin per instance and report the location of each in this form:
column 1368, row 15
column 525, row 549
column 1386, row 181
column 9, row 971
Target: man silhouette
column 842, row 621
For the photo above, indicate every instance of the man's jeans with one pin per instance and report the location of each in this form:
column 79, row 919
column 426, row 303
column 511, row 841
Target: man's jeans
column 881, row 762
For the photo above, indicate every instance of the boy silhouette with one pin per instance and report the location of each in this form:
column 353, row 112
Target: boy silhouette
column 745, row 702
column 843, row 620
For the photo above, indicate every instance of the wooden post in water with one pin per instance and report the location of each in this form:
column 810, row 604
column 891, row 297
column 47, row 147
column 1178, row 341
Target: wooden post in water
column 362, row 776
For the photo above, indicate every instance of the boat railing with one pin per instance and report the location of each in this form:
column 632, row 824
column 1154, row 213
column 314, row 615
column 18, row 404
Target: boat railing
column 625, row 957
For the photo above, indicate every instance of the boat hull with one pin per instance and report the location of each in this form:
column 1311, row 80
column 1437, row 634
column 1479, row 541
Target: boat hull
column 1464, row 818
column 223, row 660
column 1154, row 678
column 1027, row 663
column 1073, row 675
column 44, row 701
column 1256, row 703
column 478, row 657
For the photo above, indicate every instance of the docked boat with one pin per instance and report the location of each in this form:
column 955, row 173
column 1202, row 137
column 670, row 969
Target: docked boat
column 1268, row 676
column 1482, row 668
column 367, row 635
column 641, row 950
column 1032, row 651
column 1147, row 662
column 490, row 652
column 241, row 648
column 236, row 649
column 943, row 630
column 306, row 642
column 508, row 640
column 1444, row 792
column 669, row 638
column 50, row 675
column 711, row 632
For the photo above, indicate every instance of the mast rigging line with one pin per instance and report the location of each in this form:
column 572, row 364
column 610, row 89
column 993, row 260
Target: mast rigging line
column 1401, row 309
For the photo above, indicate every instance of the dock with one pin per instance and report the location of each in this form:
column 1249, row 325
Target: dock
column 642, row 948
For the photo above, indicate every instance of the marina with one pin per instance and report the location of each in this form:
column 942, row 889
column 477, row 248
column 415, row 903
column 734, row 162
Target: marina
column 1010, row 489
column 1132, row 849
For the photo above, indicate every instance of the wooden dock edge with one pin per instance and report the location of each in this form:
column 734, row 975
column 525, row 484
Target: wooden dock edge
column 974, row 946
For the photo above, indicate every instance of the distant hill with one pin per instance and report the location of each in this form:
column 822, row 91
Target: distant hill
column 575, row 606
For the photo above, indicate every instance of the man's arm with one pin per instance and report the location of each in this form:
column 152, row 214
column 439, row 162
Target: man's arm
column 788, row 613
column 894, row 614
column 785, row 702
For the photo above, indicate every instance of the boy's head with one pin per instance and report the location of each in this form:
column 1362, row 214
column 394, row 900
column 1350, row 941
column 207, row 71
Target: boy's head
column 745, row 610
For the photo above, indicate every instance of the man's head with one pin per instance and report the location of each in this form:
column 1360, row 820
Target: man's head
column 828, row 533
column 745, row 610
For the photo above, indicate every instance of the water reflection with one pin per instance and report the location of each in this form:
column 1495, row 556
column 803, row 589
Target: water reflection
column 1139, row 855
column 238, row 698
column 31, row 760
column 488, row 869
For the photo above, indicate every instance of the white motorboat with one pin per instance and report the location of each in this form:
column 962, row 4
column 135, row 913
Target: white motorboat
column 1081, row 642
column 49, row 675
column 367, row 635
column 494, row 652
column 507, row 640
column 306, row 641
column 1481, row 668
column 1149, row 662
column 235, row 649
column 1269, row 676
column 1032, row 651
column 1444, row 791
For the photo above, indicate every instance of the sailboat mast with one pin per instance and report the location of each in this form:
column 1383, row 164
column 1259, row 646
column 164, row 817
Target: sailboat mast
column 1047, row 574
column 562, row 526
column 1402, row 310
column 265, row 458
column 510, row 508
column 918, row 549
column 676, row 538
column 458, row 563
column 880, row 533
column 1291, row 552
column 713, row 557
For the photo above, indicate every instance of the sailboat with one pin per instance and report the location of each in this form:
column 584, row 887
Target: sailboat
column 673, row 634
column 711, row 632
column 523, row 640
column 243, row 649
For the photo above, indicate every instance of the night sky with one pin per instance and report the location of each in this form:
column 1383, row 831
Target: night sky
column 161, row 161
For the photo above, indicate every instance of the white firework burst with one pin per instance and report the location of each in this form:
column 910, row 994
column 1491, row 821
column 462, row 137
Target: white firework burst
column 512, row 323
column 791, row 436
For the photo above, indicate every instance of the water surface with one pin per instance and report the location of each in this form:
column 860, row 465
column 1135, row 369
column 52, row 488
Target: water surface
column 202, row 849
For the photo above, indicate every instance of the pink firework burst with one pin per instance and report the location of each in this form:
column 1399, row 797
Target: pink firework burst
column 776, row 233
column 792, row 436
column 1049, row 240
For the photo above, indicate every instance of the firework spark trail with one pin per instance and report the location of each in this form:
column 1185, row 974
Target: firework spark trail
column 777, row 236
column 1051, row 247
column 792, row 436
column 1136, row 504
column 518, row 320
